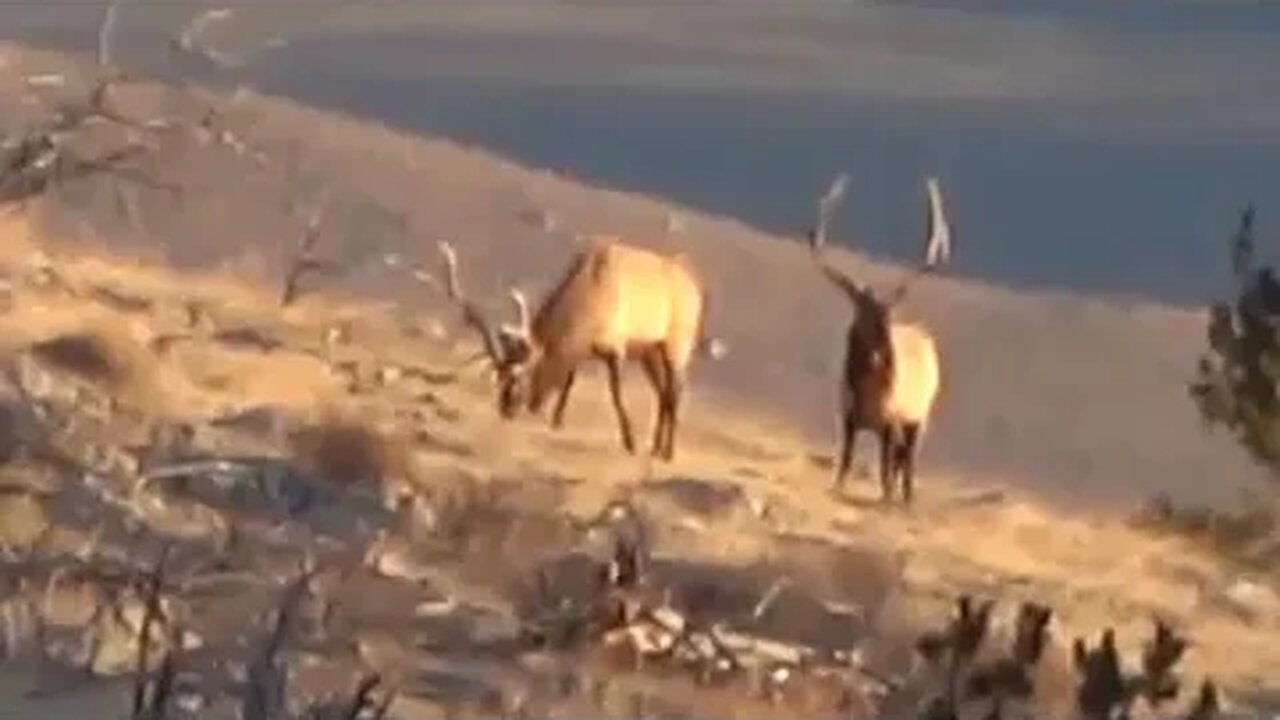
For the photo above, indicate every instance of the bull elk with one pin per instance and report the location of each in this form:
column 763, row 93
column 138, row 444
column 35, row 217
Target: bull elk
column 615, row 302
column 891, row 371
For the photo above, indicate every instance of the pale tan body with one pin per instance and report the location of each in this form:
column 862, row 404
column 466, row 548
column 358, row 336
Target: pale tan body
column 622, row 300
column 615, row 302
column 917, row 377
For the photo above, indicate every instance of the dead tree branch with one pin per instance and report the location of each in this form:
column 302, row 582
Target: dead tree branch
column 148, row 695
column 266, row 686
column 41, row 160
column 106, row 32
column 305, row 261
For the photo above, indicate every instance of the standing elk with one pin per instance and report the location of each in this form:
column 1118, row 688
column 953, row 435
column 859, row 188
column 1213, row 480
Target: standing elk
column 615, row 302
column 891, row 369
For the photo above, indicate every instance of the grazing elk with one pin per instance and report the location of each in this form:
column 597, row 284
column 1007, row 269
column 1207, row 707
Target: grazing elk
column 615, row 302
column 891, row 370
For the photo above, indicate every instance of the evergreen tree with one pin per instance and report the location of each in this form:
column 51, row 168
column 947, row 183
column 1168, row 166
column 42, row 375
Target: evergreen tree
column 1236, row 381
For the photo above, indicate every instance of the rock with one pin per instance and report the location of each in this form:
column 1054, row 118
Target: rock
column 436, row 329
column 435, row 608
column 1252, row 600
column 759, row 507
column 390, row 557
column 414, row 513
column 337, row 335
column 189, row 702
column 390, row 374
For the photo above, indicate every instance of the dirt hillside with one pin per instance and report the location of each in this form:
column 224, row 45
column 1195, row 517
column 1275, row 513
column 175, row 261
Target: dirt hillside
column 1075, row 398
column 138, row 353
column 745, row 504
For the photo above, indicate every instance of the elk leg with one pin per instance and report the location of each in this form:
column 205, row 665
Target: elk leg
column 653, row 369
column 849, row 421
column 888, row 440
column 848, row 440
column 675, row 388
column 613, row 364
column 907, row 458
column 557, row 413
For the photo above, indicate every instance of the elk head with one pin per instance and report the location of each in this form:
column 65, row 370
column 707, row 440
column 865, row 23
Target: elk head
column 510, row 349
column 873, row 312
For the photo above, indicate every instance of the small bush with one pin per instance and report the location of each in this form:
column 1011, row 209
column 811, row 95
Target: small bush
column 343, row 452
column 1246, row 535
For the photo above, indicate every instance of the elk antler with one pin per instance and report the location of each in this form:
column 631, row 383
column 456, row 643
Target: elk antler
column 470, row 313
column 513, row 340
column 827, row 206
column 522, row 312
column 937, row 249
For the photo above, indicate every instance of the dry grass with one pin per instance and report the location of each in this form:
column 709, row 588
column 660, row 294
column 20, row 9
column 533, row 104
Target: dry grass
column 1248, row 535
column 506, row 492
column 780, row 516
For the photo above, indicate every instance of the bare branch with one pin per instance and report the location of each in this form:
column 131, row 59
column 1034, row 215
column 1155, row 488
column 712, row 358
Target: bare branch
column 770, row 597
column 190, row 42
column 186, row 42
column 1207, row 705
column 127, row 203
column 304, row 261
column 106, row 31
column 264, row 696
column 452, row 285
column 362, row 697
column 157, row 703
column 152, row 612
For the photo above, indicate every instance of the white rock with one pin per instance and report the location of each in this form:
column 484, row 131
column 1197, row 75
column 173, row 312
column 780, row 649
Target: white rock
column 390, row 374
column 190, row 702
column 1257, row 600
